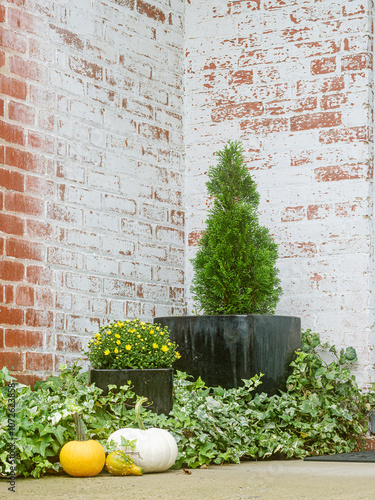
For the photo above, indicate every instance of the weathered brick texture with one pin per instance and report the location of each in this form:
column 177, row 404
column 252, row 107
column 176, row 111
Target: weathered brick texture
column 110, row 114
column 293, row 80
column 92, row 172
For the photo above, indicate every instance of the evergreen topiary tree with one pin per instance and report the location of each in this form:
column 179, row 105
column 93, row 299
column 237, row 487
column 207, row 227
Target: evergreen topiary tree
column 234, row 267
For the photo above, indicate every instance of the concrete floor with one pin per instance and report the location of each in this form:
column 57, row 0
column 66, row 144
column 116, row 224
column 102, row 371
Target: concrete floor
column 266, row 480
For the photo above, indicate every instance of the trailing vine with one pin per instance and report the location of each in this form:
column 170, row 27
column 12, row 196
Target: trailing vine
column 322, row 411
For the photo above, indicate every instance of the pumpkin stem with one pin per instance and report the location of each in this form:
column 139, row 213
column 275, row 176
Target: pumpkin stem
column 80, row 428
column 138, row 413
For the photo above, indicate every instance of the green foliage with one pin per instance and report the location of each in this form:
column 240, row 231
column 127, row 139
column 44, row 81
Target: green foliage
column 234, row 267
column 321, row 412
column 132, row 344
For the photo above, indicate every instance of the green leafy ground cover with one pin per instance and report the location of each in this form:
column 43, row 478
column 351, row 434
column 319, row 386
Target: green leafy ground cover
column 322, row 411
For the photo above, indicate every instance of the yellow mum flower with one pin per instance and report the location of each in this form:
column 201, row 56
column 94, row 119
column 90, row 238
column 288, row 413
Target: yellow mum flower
column 165, row 348
column 142, row 323
column 178, row 355
column 161, row 333
column 151, row 332
column 109, row 332
column 115, row 351
column 143, row 347
column 118, row 342
column 128, row 347
column 157, row 328
column 106, row 352
column 138, row 336
column 117, row 336
column 128, row 321
column 97, row 335
column 155, row 345
column 169, row 343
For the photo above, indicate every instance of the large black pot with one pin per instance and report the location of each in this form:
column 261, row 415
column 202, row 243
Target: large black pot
column 156, row 384
column 223, row 350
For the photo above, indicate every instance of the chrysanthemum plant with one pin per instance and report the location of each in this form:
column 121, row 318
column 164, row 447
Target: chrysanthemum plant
column 132, row 344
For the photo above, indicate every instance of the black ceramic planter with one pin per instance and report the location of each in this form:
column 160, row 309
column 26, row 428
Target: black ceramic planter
column 155, row 384
column 223, row 350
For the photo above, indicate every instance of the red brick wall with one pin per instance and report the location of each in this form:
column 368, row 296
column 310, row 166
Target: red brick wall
column 91, row 172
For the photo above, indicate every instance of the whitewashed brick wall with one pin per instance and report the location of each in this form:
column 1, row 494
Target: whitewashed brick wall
column 293, row 80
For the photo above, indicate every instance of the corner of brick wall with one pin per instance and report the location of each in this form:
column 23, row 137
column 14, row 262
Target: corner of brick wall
column 91, row 174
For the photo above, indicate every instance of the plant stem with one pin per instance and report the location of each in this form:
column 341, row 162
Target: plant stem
column 138, row 413
column 80, row 428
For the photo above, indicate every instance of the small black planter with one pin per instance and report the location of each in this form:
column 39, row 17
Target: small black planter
column 156, row 384
column 223, row 350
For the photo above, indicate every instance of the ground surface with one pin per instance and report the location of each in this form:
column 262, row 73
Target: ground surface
column 267, row 480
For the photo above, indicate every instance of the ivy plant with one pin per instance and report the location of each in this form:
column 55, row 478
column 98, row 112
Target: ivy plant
column 322, row 411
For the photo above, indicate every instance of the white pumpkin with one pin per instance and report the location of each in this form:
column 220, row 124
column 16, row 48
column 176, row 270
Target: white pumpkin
column 156, row 449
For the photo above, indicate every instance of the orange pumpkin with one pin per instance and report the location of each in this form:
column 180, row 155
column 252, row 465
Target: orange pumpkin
column 82, row 458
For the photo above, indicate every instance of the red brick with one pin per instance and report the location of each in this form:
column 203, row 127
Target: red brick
column 1, row 338
column 347, row 135
column 23, row 338
column 24, row 160
column 153, row 132
column 68, row 38
column 11, row 133
column 265, row 126
column 25, row 296
column 2, row 153
column 38, row 185
column 318, row 211
column 21, row 113
column 241, row 77
column 150, row 11
column 194, row 238
column 12, row 180
column 39, row 275
column 39, row 229
column 340, row 173
column 12, row 360
column 316, row 120
column 333, row 84
column 44, row 298
column 12, row 87
column 42, row 142
column 7, row 294
column 11, row 224
column 28, row 378
column 333, row 101
column 323, row 66
column 356, row 61
column 293, row 214
column 85, row 68
column 22, row 203
column 237, row 111
column 1, row 107
column 23, row 21
column 11, row 40
column 2, row 13
column 11, row 271
column 23, row 249
column 27, row 69
column 11, row 316
column 39, row 361
column 39, row 318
